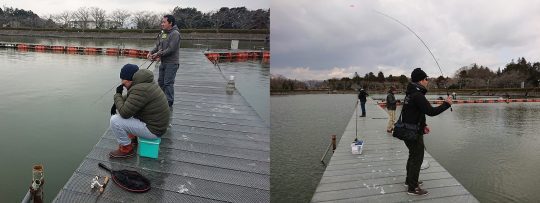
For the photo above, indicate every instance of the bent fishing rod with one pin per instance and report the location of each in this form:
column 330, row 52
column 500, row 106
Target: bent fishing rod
column 425, row 45
column 116, row 86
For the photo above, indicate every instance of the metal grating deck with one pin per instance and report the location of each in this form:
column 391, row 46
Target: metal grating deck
column 218, row 149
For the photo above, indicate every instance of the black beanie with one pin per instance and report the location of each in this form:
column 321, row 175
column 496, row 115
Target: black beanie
column 417, row 75
column 128, row 71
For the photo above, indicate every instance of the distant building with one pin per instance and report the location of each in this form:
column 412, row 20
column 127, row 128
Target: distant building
column 81, row 24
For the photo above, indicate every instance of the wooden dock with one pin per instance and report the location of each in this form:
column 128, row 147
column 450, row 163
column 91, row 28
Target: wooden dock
column 217, row 150
column 378, row 174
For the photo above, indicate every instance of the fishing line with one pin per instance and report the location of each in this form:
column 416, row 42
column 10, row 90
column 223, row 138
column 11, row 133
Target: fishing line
column 216, row 63
column 425, row 45
column 116, row 86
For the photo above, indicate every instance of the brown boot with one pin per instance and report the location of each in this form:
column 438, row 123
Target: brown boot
column 122, row 152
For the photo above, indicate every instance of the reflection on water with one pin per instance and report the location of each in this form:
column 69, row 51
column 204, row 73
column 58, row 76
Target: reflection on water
column 301, row 130
column 492, row 149
column 252, row 81
column 48, row 116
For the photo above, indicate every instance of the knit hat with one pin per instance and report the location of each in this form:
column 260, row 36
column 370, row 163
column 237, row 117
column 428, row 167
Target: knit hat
column 418, row 74
column 128, row 71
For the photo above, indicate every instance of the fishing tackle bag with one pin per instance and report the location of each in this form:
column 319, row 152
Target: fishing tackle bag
column 405, row 131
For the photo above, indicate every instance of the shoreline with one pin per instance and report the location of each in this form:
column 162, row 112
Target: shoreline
column 525, row 92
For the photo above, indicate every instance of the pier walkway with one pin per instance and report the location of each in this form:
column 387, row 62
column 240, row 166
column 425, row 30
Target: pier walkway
column 378, row 174
column 217, row 150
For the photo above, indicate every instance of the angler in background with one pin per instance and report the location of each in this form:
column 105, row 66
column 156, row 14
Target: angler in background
column 143, row 112
column 391, row 103
column 362, row 96
column 415, row 109
column 167, row 50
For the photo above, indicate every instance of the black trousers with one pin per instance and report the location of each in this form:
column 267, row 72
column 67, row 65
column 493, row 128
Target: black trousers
column 416, row 156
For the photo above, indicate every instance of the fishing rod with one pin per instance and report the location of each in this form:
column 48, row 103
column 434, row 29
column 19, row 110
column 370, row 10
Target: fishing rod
column 356, row 121
column 116, row 86
column 425, row 45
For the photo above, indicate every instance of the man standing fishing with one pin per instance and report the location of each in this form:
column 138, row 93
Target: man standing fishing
column 167, row 50
column 362, row 94
column 142, row 112
column 415, row 109
column 391, row 107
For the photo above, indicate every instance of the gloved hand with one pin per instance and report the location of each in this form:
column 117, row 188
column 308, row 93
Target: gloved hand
column 113, row 109
column 120, row 89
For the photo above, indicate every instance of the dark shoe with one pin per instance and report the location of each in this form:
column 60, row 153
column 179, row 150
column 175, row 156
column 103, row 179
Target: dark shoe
column 419, row 183
column 122, row 152
column 417, row 191
column 388, row 131
column 363, row 116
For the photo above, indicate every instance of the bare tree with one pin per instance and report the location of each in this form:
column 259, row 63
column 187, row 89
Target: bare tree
column 146, row 20
column 64, row 18
column 83, row 16
column 98, row 15
column 120, row 16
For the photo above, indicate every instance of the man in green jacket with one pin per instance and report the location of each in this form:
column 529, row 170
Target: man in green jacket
column 143, row 112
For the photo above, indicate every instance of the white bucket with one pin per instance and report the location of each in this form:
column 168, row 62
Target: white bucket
column 356, row 147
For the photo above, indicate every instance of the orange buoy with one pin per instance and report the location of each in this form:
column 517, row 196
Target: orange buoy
column 133, row 52
column 143, row 53
column 22, row 46
column 57, row 48
column 112, row 51
column 39, row 47
column 90, row 50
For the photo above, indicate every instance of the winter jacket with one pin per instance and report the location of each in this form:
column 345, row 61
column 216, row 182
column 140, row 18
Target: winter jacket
column 391, row 102
column 416, row 106
column 146, row 102
column 362, row 95
column 168, row 46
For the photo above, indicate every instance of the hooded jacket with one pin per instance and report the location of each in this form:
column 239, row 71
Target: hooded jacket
column 146, row 102
column 416, row 106
column 168, row 46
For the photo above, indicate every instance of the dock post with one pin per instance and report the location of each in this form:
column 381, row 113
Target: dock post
column 333, row 145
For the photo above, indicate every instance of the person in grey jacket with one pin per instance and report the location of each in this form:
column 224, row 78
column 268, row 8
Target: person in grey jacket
column 391, row 106
column 142, row 112
column 167, row 50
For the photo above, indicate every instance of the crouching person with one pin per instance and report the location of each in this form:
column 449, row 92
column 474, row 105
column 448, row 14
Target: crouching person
column 142, row 112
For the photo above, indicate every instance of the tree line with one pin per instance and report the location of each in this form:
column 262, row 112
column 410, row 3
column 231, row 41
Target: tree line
column 474, row 76
column 97, row 18
column 14, row 17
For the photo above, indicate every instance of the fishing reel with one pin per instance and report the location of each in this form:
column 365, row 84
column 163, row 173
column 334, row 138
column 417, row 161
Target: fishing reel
column 95, row 183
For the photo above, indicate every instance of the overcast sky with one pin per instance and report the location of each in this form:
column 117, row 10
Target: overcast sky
column 320, row 39
column 45, row 7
